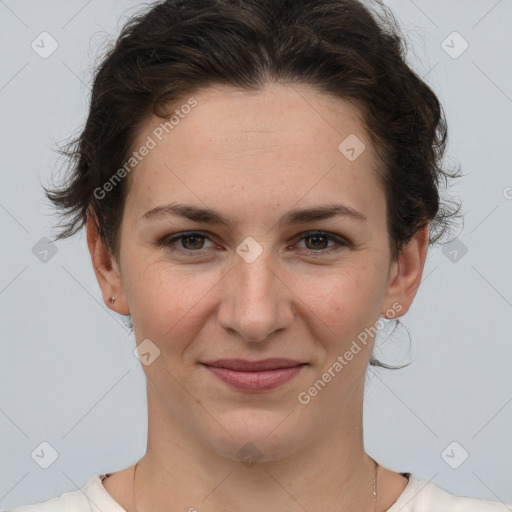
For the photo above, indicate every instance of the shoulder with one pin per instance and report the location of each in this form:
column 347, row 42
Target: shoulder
column 73, row 501
column 425, row 496
column 92, row 497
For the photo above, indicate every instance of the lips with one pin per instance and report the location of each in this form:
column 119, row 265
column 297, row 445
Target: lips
column 254, row 376
column 253, row 366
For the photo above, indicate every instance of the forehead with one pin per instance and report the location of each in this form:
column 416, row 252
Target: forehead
column 223, row 114
column 283, row 142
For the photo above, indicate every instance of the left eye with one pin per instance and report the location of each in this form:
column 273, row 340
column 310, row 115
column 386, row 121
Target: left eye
column 318, row 240
column 194, row 242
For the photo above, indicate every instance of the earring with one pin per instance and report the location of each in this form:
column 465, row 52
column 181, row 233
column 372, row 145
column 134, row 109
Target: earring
column 112, row 300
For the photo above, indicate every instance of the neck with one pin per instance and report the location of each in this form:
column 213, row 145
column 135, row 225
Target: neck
column 332, row 472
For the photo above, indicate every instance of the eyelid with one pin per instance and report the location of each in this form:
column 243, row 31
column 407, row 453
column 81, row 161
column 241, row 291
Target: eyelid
column 168, row 241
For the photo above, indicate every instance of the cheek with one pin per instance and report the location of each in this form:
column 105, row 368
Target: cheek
column 168, row 303
column 345, row 301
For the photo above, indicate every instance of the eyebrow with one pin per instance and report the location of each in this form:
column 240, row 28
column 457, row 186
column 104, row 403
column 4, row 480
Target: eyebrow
column 207, row 215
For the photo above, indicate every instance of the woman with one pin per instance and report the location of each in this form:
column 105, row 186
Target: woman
column 259, row 183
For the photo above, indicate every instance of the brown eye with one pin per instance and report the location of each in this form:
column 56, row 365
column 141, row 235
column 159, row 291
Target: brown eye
column 317, row 243
column 191, row 242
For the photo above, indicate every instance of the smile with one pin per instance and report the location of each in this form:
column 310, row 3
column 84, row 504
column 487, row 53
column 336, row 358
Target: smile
column 247, row 377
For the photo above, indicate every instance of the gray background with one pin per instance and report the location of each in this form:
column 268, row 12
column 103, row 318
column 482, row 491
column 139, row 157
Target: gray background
column 69, row 377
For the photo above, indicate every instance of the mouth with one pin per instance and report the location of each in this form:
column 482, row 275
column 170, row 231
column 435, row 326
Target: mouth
column 254, row 375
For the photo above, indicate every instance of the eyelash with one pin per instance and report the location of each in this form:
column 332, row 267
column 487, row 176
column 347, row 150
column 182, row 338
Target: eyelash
column 169, row 241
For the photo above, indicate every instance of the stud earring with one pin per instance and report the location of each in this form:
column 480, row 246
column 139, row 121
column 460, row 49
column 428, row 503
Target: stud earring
column 112, row 300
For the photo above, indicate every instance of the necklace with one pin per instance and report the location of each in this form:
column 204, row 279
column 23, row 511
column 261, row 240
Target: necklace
column 374, row 485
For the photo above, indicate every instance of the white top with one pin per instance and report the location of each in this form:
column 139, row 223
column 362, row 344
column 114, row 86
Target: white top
column 418, row 496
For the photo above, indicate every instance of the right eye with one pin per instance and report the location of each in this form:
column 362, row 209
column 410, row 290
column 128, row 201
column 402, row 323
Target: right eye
column 191, row 242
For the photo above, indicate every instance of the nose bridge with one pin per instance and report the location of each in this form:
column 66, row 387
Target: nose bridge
column 255, row 302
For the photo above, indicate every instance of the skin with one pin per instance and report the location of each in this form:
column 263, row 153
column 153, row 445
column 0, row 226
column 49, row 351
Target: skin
column 253, row 157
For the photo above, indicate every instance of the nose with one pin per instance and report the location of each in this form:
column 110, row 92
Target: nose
column 256, row 300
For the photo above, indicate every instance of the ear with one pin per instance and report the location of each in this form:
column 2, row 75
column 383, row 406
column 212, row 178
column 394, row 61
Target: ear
column 106, row 269
column 405, row 274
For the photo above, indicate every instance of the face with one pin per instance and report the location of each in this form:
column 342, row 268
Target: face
column 272, row 244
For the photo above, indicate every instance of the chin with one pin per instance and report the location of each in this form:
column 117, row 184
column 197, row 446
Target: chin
column 256, row 436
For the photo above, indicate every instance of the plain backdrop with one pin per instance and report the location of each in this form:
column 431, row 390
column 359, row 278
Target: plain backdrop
column 69, row 378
